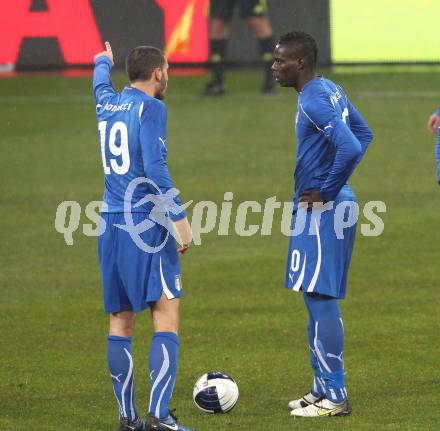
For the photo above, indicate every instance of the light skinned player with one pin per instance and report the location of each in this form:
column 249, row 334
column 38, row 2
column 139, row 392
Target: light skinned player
column 332, row 138
column 434, row 127
column 132, row 133
column 434, row 121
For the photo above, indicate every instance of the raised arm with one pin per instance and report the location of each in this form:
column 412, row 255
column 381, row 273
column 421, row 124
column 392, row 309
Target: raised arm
column 102, row 83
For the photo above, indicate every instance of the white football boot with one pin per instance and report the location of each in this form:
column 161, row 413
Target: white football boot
column 323, row 408
column 305, row 401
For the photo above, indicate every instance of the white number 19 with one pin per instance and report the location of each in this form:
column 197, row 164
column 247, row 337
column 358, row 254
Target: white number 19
column 120, row 150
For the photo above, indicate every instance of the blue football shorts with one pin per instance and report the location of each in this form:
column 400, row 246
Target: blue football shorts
column 319, row 255
column 132, row 279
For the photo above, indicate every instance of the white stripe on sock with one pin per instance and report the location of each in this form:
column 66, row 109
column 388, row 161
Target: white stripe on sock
column 117, row 399
column 127, row 380
column 163, row 371
column 157, row 412
column 133, row 413
column 321, row 381
column 318, row 352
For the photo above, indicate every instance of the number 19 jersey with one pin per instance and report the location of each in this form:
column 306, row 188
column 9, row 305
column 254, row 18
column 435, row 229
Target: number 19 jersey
column 133, row 142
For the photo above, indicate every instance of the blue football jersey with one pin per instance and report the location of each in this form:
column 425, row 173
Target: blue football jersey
column 331, row 136
column 133, row 142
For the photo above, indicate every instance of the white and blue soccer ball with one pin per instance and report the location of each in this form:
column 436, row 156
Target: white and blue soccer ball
column 215, row 392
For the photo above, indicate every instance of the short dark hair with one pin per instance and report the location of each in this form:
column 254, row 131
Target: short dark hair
column 304, row 43
column 141, row 61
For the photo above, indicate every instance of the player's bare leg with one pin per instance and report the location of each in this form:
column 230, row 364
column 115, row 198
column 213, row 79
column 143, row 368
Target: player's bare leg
column 165, row 313
column 261, row 27
column 120, row 364
column 163, row 364
column 122, row 324
column 219, row 31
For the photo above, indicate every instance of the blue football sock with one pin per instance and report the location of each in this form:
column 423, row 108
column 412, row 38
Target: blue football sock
column 163, row 366
column 318, row 389
column 328, row 345
column 120, row 363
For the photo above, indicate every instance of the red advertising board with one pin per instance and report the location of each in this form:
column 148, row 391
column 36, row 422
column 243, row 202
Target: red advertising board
column 72, row 23
column 186, row 30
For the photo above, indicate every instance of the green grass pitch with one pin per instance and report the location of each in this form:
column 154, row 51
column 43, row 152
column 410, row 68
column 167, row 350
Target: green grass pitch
column 236, row 315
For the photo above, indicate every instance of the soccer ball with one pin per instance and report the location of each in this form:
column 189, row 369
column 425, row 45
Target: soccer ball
column 215, row 392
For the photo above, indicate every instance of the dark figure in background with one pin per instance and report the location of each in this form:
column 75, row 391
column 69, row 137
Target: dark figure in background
column 255, row 11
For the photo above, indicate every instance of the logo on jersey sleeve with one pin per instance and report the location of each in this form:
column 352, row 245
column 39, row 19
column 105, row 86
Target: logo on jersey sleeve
column 335, row 97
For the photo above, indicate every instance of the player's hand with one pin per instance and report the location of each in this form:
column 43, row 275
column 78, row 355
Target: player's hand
column 308, row 197
column 184, row 232
column 433, row 123
column 183, row 249
column 107, row 53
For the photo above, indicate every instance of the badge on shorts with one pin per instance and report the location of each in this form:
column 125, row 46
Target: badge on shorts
column 178, row 282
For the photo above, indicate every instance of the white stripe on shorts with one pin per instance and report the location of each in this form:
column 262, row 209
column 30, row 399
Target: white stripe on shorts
column 318, row 263
column 165, row 289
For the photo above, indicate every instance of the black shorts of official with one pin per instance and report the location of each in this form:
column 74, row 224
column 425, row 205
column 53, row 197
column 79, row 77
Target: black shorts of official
column 224, row 9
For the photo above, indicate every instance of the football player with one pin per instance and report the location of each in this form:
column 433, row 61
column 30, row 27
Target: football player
column 332, row 138
column 138, row 257
column 434, row 127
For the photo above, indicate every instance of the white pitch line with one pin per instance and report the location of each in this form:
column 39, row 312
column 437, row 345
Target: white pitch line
column 398, row 94
column 84, row 99
column 47, row 99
